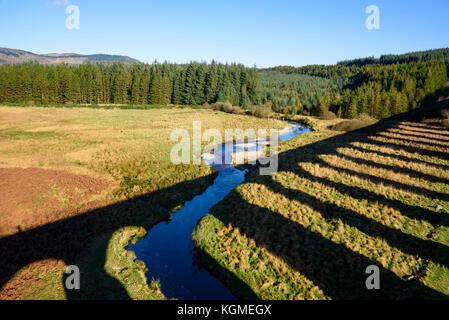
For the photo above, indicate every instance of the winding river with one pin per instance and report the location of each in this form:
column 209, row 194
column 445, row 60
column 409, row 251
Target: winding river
column 168, row 250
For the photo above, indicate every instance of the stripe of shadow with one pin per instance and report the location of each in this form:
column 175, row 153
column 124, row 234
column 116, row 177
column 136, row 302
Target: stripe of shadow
column 424, row 143
column 67, row 239
column 426, row 249
column 410, row 172
column 237, row 286
column 430, row 153
column 422, row 130
column 398, row 185
column 95, row 282
column 430, row 125
column 63, row 240
column 338, row 271
column 401, row 157
column 414, row 134
column 413, row 212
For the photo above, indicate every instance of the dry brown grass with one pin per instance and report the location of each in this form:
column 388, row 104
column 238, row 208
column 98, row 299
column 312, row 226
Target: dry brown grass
column 129, row 150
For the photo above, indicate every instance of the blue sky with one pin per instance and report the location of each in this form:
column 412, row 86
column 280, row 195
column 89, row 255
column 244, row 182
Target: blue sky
column 253, row 32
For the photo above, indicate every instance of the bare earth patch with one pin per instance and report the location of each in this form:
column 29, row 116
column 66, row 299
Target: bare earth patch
column 34, row 197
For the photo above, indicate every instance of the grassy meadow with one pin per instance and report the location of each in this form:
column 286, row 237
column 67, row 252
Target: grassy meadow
column 83, row 183
column 339, row 203
column 80, row 184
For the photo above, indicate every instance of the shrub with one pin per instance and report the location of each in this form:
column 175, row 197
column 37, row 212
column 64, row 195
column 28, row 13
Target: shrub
column 306, row 122
column 350, row 125
column 220, row 106
column 262, row 112
column 366, row 117
column 328, row 115
column 238, row 110
column 226, row 107
column 31, row 103
column 69, row 103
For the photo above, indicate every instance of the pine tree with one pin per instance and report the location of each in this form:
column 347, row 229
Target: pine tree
column 212, row 83
column 188, row 85
column 156, row 89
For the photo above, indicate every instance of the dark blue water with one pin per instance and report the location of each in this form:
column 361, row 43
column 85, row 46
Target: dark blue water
column 167, row 250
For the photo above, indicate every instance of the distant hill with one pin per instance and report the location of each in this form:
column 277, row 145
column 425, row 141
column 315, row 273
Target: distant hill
column 19, row 56
column 435, row 54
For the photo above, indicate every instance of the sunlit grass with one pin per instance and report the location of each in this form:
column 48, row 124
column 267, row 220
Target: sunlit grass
column 131, row 149
column 380, row 196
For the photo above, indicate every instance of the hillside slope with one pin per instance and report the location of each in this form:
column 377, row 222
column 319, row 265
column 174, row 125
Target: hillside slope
column 19, row 56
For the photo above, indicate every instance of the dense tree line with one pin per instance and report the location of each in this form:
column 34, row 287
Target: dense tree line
column 437, row 54
column 296, row 93
column 381, row 88
column 375, row 89
column 191, row 84
column 382, row 91
column 350, row 68
column 378, row 87
column 323, row 71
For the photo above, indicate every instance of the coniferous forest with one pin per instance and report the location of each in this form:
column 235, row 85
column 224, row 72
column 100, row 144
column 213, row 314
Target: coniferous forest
column 380, row 88
column 297, row 93
column 138, row 84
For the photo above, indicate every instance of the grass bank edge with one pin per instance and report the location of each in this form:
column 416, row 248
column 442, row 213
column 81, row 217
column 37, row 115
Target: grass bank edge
column 122, row 264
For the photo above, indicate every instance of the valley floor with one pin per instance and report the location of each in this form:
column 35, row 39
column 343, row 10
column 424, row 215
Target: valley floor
column 78, row 185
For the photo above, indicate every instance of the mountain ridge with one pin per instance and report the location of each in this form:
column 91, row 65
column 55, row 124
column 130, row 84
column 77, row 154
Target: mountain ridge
column 8, row 55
